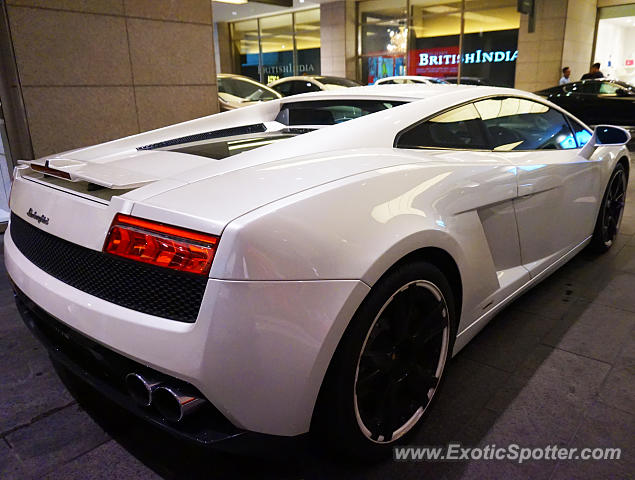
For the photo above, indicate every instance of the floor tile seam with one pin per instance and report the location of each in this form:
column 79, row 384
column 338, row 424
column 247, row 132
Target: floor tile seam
column 35, row 419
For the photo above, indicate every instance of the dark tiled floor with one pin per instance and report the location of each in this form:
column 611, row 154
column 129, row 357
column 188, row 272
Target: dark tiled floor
column 556, row 367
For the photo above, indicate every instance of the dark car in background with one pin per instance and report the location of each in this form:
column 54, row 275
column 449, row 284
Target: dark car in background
column 597, row 101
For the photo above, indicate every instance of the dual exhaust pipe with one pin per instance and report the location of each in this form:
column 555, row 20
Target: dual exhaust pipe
column 172, row 403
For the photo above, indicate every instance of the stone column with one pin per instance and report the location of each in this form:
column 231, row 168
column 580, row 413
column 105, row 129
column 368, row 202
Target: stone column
column 337, row 38
column 92, row 71
column 579, row 34
column 563, row 37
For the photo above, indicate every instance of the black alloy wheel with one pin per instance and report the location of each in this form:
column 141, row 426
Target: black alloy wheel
column 401, row 361
column 611, row 210
column 389, row 364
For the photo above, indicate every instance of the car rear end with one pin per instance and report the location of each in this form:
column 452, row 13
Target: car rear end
column 111, row 262
column 82, row 284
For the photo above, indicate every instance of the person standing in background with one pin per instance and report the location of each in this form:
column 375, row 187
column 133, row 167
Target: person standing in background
column 594, row 73
column 566, row 73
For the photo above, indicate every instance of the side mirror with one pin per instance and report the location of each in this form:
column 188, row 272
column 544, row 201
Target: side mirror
column 609, row 135
column 605, row 135
column 622, row 92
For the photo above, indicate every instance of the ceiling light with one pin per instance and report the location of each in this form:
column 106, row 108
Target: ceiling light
column 440, row 9
column 236, row 2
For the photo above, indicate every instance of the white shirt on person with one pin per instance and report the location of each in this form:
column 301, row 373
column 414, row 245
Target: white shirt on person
column 564, row 81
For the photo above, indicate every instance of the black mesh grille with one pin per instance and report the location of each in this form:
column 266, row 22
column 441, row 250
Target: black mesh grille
column 145, row 288
column 225, row 132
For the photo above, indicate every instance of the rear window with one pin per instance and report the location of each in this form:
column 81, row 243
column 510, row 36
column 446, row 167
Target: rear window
column 218, row 149
column 330, row 112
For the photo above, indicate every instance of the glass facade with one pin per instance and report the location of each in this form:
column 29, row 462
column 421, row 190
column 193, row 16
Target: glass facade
column 277, row 46
column 615, row 43
column 437, row 38
column 383, row 33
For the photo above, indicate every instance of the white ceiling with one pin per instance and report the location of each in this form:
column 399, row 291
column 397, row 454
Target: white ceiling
column 227, row 12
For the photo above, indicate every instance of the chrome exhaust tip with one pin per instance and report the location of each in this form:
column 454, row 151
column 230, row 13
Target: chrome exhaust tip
column 173, row 404
column 141, row 388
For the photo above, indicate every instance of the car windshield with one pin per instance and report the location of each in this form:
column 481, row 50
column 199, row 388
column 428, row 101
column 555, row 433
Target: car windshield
column 626, row 86
column 337, row 81
column 330, row 112
column 244, row 89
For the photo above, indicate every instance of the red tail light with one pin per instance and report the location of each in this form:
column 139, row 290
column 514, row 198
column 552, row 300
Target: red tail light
column 161, row 245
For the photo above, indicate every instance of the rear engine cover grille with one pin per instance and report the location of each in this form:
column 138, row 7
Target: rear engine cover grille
column 141, row 287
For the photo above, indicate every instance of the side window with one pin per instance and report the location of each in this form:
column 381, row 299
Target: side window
column 458, row 128
column 609, row 88
column 581, row 134
column 591, row 87
column 283, row 88
column 519, row 124
column 304, row 86
column 221, row 85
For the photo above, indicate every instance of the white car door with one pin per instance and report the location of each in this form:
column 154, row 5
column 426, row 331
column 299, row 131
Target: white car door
column 558, row 190
column 485, row 189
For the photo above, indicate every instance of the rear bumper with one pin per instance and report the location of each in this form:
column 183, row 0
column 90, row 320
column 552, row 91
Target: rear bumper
column 258, row 351
column 104, row 370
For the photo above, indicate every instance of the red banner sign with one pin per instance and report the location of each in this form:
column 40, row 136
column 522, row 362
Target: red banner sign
column 434, row 62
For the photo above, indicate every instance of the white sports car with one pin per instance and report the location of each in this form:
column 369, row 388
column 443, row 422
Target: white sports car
column 276, row 269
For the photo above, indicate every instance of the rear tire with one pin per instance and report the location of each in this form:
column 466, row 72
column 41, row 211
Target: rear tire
column 610, row 215
column 389, row 364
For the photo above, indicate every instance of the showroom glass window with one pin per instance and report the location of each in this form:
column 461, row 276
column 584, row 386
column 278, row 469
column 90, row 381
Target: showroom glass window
column 614, row 42
column 245, row 47
column 436, row 34
column 383, row 29
column 276, row 46
column 483, row 33
column 490, row 41
column 307, row 40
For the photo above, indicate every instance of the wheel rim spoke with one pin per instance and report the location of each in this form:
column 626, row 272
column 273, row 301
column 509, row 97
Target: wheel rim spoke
column 434, row 325
column 419, row 383
column 381, row 360
column 614, row 204
column 397, row 370
column 385, row 412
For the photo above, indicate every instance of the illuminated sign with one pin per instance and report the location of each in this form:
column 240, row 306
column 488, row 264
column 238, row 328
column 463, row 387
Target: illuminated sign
column 444, row 61
column 479, row 56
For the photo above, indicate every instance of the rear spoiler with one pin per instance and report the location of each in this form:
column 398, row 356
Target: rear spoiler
column 104, row 175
